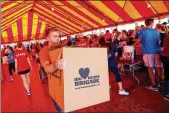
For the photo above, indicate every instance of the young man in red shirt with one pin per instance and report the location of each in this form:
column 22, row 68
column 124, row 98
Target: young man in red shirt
column 52, row 35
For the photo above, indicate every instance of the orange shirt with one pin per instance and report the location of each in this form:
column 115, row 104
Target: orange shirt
column 44, row 55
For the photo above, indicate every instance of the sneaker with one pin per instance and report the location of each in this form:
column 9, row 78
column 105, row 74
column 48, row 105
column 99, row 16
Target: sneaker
column 10, row 80
column 123, row 92
column 28, row 93
column 153, row 87
column 166, row 98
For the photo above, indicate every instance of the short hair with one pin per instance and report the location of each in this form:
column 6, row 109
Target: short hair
column 124, row 31
column 107, row 31
column 11, row 49
column 115, row 30
column 164, row 23
column 149, row 21
column 19, row 45
column 142, row 26
column 102, row 41
column 52, row 29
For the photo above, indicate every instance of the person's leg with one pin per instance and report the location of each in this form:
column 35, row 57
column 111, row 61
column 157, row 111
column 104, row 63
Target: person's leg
column 10, row 72
column 151, row 75
column 149, row 60
column 166, row 82
column 24, row 80
column 120, row 85
column 13, row 67
column 115, row 70
column 158, row 67
column 28, row 79
column 149, row 63
column 165, row 61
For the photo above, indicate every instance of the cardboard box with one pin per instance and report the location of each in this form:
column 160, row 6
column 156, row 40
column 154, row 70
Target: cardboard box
column 84, row 82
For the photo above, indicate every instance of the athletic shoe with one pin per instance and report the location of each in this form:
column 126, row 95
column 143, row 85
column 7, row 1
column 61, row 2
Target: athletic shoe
column 153, row 87
column 166, row 98
column 123, row 92
column 10, row 80
column 28, row 93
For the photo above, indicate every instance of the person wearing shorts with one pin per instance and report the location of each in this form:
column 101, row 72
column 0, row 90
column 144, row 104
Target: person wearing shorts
column 23, row 66
column 150, row 39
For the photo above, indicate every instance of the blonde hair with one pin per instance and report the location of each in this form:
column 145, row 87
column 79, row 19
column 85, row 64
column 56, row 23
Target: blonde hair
column 52, row 29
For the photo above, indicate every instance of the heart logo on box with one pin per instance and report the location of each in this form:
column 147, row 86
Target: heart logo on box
column 84, row 73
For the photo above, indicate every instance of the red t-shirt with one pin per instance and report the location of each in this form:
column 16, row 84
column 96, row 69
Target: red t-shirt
column 108, row 35
column 22, row 62
column 82, row 43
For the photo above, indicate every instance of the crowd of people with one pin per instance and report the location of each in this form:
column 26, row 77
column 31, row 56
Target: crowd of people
column 154, row 44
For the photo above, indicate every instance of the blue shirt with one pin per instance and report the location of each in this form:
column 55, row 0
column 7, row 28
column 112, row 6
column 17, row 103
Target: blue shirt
column 137, row 35
column 11, row 54
column 150, row 41
column 111, row 54
column 117, row 42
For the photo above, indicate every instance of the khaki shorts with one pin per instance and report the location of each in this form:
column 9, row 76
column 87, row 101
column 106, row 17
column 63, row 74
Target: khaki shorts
column 152, row 60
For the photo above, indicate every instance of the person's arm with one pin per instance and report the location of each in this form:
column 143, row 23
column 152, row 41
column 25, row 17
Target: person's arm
column 29, row 62
column 45, row 62
column 138, row 41
column 49, row 68
column 16, row 63
column 10, row 58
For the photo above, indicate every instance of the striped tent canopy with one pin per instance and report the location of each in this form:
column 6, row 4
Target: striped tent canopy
column 27, row 20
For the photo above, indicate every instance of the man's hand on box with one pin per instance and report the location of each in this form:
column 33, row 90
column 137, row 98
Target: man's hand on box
column 61, row 63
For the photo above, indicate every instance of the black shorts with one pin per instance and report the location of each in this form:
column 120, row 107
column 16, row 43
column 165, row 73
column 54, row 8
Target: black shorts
column 24, row 72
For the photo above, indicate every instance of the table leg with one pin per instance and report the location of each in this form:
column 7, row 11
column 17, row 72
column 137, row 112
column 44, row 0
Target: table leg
column 135, row 76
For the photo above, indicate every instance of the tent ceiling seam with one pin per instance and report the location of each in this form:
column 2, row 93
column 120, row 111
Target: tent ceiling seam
column 156, row 12
column 98, row 12
column 69, row 17
column 122, row 10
